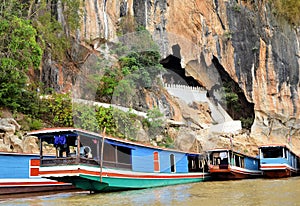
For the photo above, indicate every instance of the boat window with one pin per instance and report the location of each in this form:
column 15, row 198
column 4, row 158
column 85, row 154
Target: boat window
column 194, row 163
column 223, row 158
column 117, row 156
column 242, row 161
column 216, row 158
column 237, row 160
column 220, row 158
column 123, row 155
column 109, row 154
column 89, row 147
column 156, row 161
column 172, row 162
column 272, row 152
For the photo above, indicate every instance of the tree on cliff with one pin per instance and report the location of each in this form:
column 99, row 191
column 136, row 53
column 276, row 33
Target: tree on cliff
column 138, row 67
column 19, row 51
column 27, row 30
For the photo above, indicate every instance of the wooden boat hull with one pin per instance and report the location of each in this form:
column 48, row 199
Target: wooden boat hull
column 90, row 178
column 278, row 171
column 233, row 173
column 17, row 186
column 19, row 174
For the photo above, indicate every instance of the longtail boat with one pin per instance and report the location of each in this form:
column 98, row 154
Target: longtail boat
column 98, row 163
column 226, row 164
column 277, row 161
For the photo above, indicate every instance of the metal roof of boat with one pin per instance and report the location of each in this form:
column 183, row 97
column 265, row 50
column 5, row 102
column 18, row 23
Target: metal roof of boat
column 279, row 145
column 227, row 149
column 219, row 149
column 273, row 145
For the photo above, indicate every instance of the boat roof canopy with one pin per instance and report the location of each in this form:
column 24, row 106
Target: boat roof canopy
column 43, row 133
column 51, row 135
column 230, row 150
column 68, row 132
column 278, row 145
column 48, row 135
column 56, row 136
column 272, row 146
column 218, row 150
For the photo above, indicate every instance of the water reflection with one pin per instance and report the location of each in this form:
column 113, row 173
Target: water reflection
column 244, row 192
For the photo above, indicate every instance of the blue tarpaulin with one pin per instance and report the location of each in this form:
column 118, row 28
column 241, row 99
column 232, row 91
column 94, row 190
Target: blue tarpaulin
column 59, row 140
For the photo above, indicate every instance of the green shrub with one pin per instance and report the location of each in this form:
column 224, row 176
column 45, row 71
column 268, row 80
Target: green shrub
column 84, row 117
column 247, row 122
column 60, row 107
column 35, row 124
column 287, row 9
column 153, row 122
column 106, row 120
column 125, row 124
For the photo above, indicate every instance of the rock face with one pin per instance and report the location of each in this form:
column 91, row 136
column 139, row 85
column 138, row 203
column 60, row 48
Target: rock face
column 185, row 139
column 258, row 52
column 9, row 141
column 9, row 125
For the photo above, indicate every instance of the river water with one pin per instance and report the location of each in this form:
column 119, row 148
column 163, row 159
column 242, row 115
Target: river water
column 240, row 192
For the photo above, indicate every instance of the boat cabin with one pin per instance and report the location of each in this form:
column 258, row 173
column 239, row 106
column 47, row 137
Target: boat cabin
column 227, row 164
column 221, row 159
column 278, row 161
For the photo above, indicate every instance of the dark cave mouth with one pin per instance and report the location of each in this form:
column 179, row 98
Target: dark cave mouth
column 176, row 74
column 241, row 109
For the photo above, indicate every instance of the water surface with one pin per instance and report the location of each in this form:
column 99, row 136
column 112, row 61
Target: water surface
column 242, row 192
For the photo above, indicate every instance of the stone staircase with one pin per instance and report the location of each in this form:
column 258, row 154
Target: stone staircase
column 224, row 123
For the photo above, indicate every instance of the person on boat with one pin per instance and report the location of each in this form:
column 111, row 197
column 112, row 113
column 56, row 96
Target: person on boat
column 85, row 151
column 60, row 143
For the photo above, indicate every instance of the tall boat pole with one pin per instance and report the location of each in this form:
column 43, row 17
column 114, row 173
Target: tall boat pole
column 203, row 161
column 102, row 148
column 41, row 149
column 78, row 149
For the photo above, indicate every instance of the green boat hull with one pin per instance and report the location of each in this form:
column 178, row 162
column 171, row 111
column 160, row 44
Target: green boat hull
column 93, row 183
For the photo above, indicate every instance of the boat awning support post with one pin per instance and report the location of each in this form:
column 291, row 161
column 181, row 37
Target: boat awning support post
column 41, row 148
column 78, row 149
column 203, row 165
column 102, row 149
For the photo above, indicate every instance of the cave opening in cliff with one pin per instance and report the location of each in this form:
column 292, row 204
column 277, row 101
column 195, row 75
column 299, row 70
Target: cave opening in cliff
column 236, row 103
column 175, row 73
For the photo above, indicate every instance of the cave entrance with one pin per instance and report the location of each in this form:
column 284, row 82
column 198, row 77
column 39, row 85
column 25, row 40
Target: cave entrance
column 176, row 74
column 235, row 101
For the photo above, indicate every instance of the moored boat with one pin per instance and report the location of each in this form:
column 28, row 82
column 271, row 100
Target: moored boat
column 225, row 164
column 277, row 161
column 19, row 174
column 98, row 163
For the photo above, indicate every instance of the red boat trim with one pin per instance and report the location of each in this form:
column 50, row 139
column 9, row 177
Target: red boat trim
column 230, row 169
column 118, row 175
column 273, row 167
column 21, row 184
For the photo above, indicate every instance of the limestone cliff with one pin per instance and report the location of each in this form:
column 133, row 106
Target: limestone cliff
column 241, row 39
